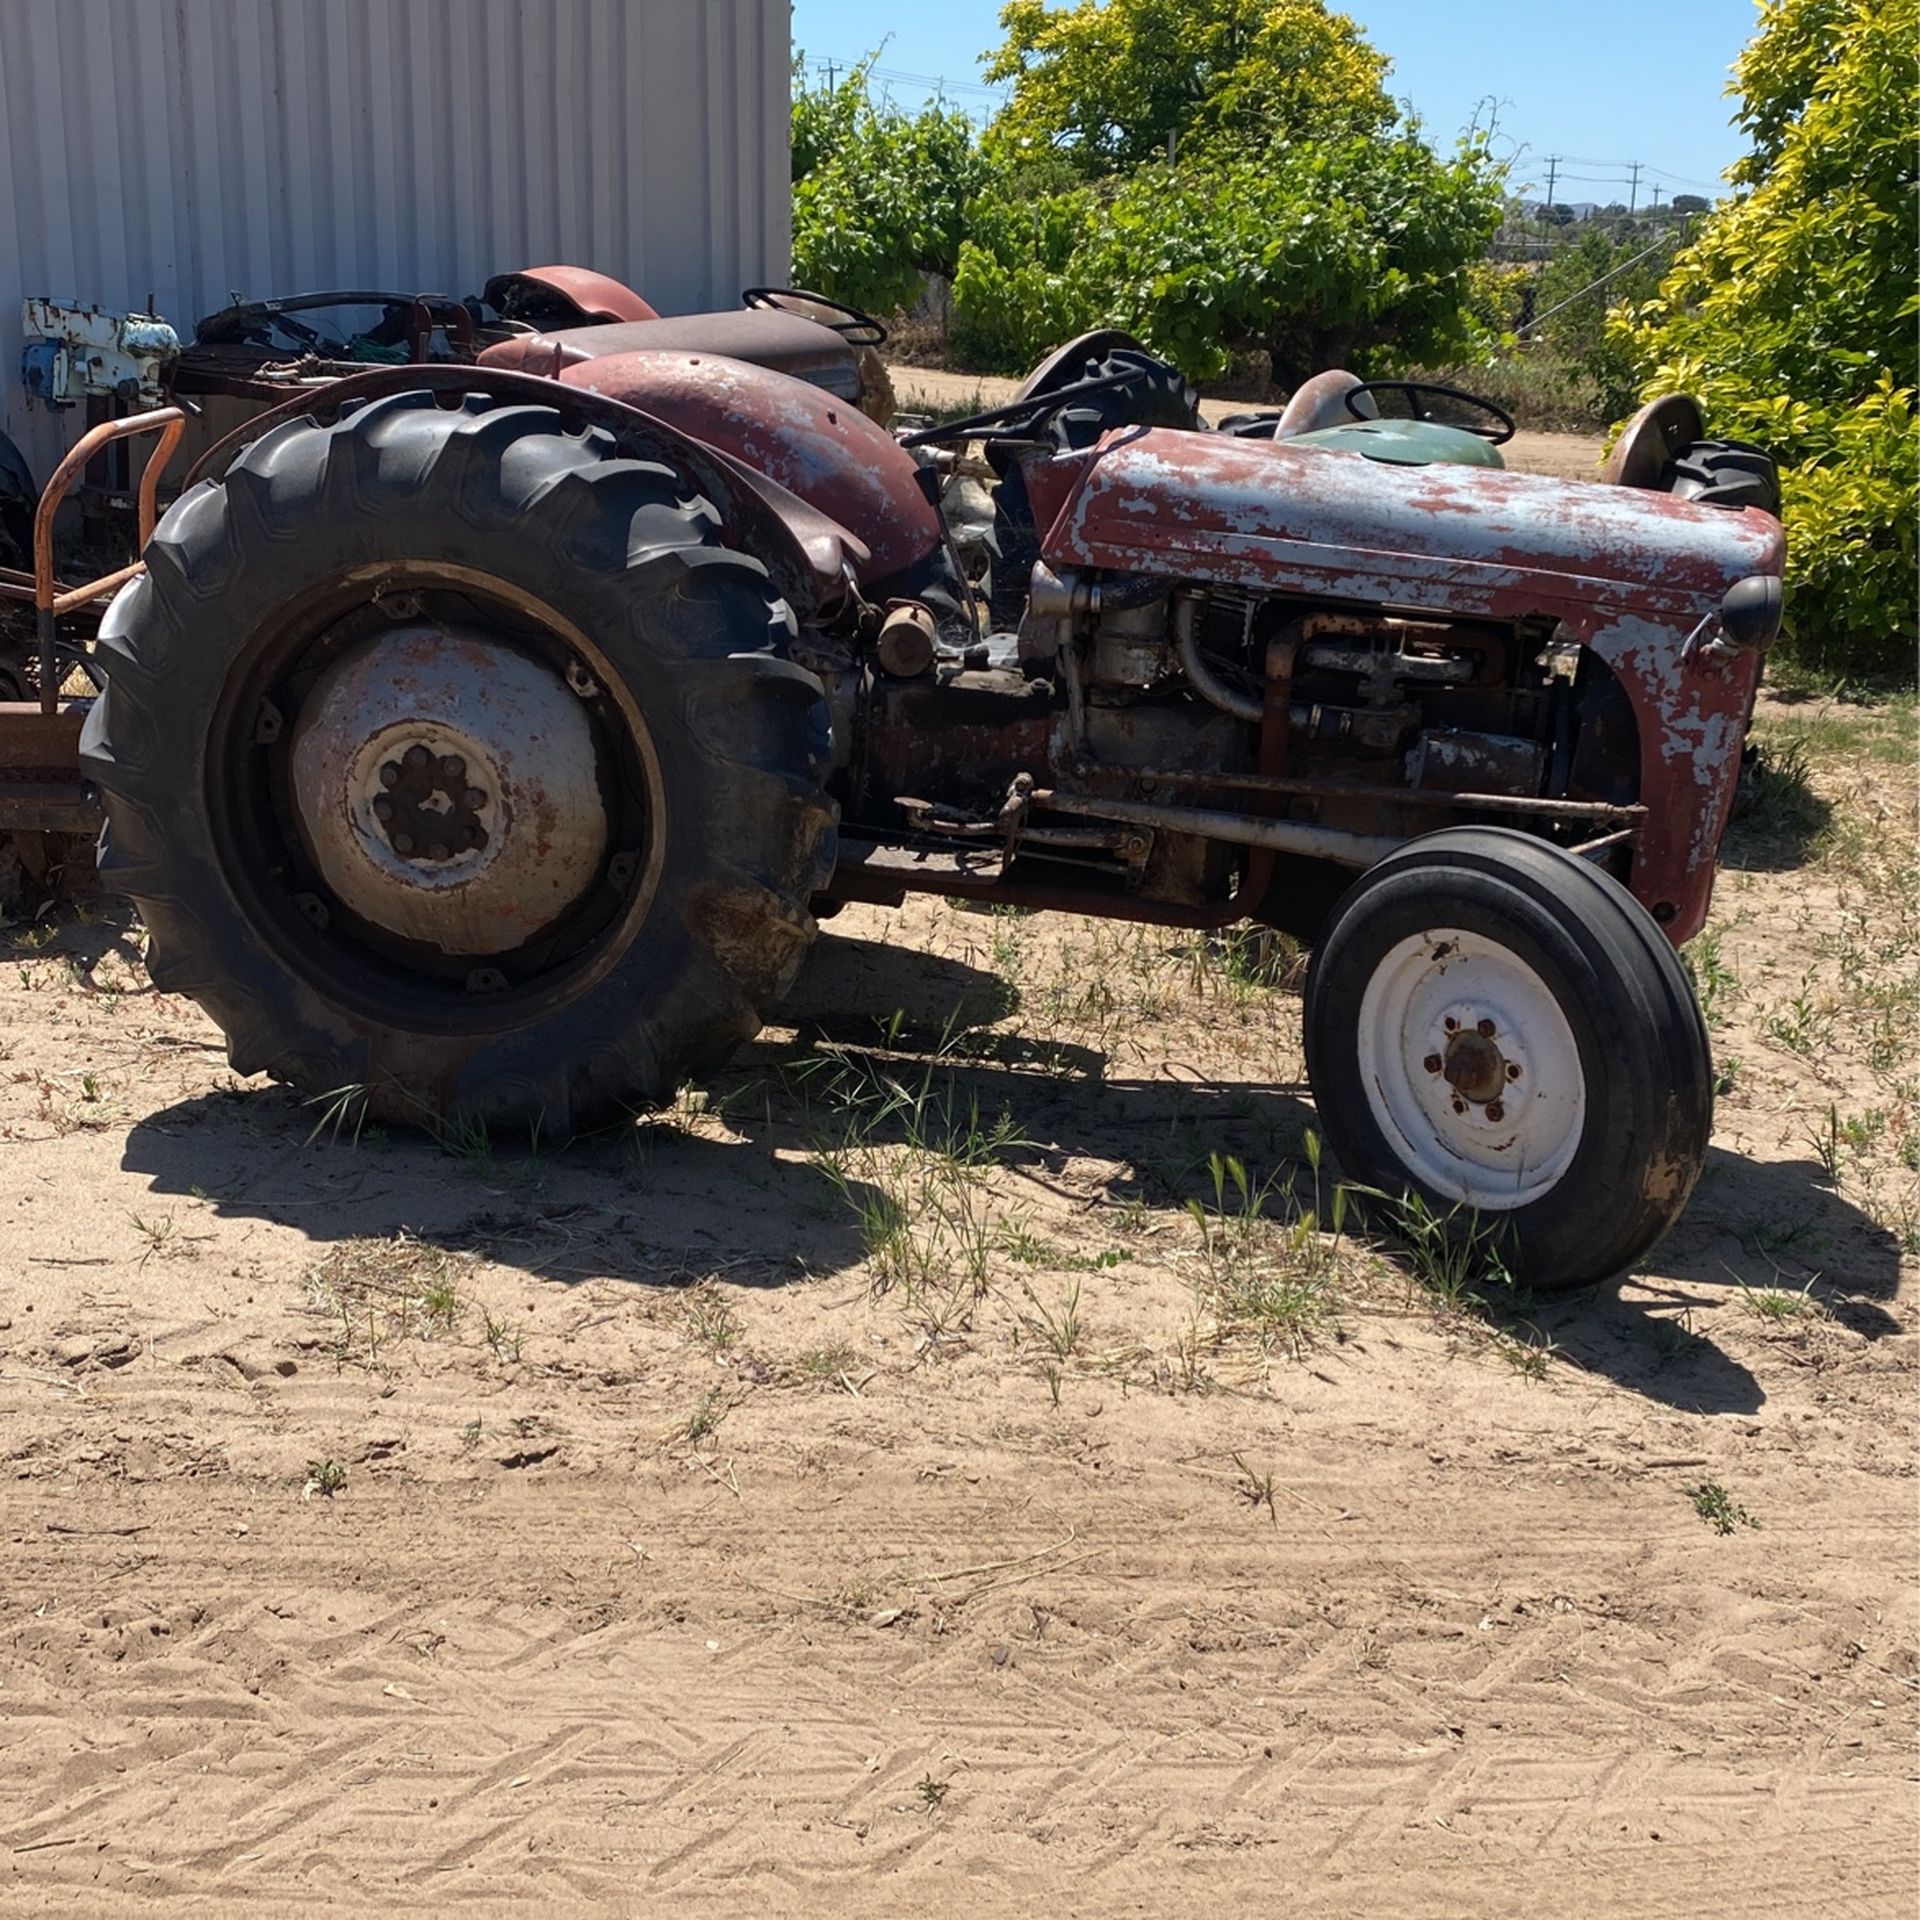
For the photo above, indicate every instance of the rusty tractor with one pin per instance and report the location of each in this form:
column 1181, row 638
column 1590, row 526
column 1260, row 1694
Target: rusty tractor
column 483, row 738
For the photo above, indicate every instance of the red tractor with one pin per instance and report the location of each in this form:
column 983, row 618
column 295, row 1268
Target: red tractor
column 483, row 740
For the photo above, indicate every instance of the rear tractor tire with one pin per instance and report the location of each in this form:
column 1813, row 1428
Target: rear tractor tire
column 457, row 768
column 1501, row 1032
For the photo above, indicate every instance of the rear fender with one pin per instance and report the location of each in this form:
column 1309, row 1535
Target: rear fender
column 816, row 446
column 752, row 513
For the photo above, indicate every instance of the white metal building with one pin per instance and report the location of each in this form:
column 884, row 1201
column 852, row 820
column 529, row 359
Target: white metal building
column 192, row 150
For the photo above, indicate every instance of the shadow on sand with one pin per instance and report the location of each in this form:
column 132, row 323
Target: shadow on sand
column 664, row 1202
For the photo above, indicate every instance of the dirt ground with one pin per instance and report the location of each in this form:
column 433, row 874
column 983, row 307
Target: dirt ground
column 872, row 1488
column 1568, row 456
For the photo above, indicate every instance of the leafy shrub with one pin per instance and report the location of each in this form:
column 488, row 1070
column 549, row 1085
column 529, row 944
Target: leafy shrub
column 880, row 197
column 1792, row 316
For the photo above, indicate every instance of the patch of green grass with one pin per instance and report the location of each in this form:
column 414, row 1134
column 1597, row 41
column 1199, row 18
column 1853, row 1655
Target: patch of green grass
column 913, row 1158
column 1269, row 1267
column 1248, row 961
column 1450, row 1256
column 1782, row 1304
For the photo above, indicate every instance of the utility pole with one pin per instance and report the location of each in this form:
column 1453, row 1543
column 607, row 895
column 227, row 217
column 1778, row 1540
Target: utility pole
column 1633, row 191
column 1553, row 173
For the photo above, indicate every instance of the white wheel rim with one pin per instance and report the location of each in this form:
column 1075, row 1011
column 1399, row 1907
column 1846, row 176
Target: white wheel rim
column 1471, row 1070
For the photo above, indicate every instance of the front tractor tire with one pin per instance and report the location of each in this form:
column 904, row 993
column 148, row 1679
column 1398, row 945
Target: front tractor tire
column 457, row 769
column 1501, row 1031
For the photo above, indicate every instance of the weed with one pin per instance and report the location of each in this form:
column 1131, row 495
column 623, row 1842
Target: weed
column 826, row 1364
column 505, row 1337
column 1248, row 961
column 164, row 1238
column 1256, row 1489
column 1826, row 1144
column 1269, row 1268
column 1714, row 981
column 933, row 1793
column 381, row 1290
column 324, row 1477
column 711, row 1319
column 1717, row 1507
column 344, row 1110
column 912, row 1159
column 1058, row 1332
column 1775, row 797
column 704, row 1421
column 1451, row 1255
column 1779, row 1304
column 1803, row 1027
column 1527, row 1351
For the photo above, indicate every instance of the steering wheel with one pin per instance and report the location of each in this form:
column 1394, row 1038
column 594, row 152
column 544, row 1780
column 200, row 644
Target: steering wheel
column 1018, row 419
column 1497, row 434
column 857, row 329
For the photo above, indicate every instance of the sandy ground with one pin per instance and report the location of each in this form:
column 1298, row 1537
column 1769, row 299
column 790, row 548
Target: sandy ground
column 404, row 1527
column 1570, row 456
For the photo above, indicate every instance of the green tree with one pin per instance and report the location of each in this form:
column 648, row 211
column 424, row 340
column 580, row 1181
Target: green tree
column 1793, row 312
column 1351, row 252
column 1108, row 82
column 880, row 196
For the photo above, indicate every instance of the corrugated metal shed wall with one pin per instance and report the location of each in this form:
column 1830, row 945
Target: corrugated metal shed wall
column 190, row 148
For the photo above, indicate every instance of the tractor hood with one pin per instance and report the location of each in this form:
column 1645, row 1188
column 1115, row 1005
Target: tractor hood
column 1283, row 518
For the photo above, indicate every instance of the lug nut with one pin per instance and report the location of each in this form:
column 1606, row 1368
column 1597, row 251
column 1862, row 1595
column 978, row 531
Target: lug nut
column 390, row 774
column 382, row 807
column 1459, row 1105
column 453, row 767
column 473, row 799
column 417, row 757
column 1451, row 1024
column 1488, row 1028
column 439, row 850
column 1513, row 1070
column 403, row 843
column 476, row 835
column 1495, row 1111
column 1433, row 1063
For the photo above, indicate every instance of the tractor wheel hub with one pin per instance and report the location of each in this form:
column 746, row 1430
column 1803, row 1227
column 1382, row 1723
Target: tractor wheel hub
column 447, row 789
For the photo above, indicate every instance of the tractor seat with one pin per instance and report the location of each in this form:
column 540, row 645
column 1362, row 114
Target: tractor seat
column 762, row 336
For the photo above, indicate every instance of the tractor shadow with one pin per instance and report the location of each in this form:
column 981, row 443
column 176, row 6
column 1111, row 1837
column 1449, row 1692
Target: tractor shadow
column 1777, row 813
column 77, row 937
column 742, row 1189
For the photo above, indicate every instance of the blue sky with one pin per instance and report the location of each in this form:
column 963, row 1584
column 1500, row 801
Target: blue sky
column 1600, row 86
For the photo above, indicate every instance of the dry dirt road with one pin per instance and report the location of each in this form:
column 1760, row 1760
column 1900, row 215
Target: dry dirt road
column 1569, row 456
column 868, row 1490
